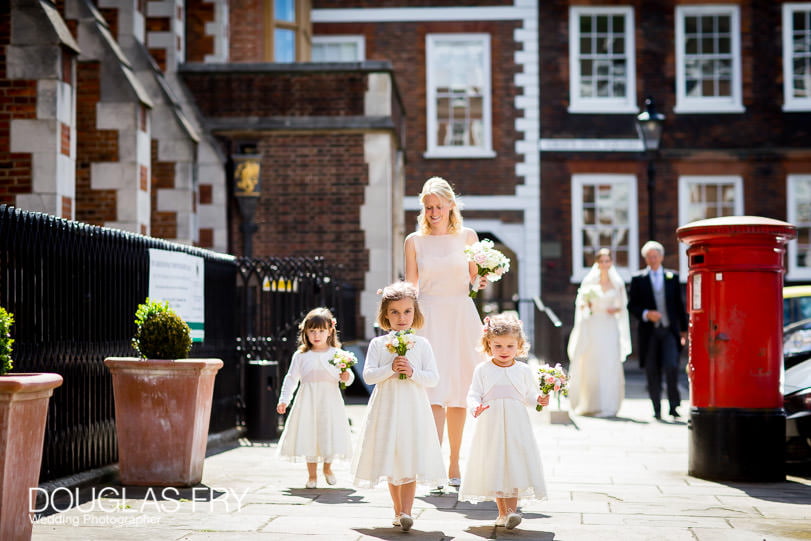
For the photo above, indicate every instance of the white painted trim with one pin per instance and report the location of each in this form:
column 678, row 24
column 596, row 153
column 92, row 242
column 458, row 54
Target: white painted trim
column 612, row 105
column 731, row 104
column 434, row 149
column 329, row 39
column 392, row 15
column 578, row 181
column 795, row 272
column 591, row 145
column 790, row 103
column 684, row 205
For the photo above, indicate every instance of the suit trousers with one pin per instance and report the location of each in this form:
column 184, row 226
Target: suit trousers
column 662, row 358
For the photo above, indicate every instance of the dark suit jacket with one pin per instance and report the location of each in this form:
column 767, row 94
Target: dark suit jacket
column 641, row 298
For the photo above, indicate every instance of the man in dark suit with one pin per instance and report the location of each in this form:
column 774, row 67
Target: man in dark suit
column 655, row 300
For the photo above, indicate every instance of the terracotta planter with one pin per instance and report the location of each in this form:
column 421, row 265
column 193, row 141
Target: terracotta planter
column 23, row 410
column 162, row 412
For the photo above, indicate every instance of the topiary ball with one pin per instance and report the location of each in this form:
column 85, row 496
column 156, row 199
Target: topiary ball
column 162, row 335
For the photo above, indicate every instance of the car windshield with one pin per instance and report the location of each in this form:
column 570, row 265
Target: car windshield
column 797, row 341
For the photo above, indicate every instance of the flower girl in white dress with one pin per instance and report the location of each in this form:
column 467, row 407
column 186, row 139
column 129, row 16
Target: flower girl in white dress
column 317, row 428
column 504, row 463
column 399, row 443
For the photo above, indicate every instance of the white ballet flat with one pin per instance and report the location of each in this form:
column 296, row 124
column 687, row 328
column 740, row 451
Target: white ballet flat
column 331, row 480
column 406, row 522
column 310, row 484
column 501, row 521
column 513, row 520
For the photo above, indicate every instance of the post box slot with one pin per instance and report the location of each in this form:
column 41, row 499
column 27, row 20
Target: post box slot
column 696, row 259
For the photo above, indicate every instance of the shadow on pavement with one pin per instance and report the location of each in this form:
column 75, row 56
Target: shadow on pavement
column 327, row 495
column 491, row 532
column 397, row 534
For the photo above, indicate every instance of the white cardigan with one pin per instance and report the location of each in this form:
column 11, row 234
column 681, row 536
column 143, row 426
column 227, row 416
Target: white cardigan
column 377, row 367
column 520, row 375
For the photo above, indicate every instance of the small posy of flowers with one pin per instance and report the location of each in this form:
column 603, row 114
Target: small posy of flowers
column 400, row 342
column 343, row 360
column 553, row 380
column 490, row 263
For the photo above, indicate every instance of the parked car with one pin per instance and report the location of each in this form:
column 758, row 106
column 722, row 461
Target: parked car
column 796, row 303
column 797, row 390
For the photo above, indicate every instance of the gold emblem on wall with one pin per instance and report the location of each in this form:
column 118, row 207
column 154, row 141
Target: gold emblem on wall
column 246, row 178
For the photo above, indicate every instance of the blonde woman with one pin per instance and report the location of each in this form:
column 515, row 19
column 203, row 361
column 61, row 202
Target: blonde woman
column 435, row 262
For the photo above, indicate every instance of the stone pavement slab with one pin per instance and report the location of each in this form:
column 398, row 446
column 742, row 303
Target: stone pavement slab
column 622, row 479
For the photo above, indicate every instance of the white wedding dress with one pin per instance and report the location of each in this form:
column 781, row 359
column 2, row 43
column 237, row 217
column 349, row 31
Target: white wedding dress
column 596, row 378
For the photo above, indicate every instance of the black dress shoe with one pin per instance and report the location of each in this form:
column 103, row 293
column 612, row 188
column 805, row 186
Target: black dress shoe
column 674, row 413
column 657, row 416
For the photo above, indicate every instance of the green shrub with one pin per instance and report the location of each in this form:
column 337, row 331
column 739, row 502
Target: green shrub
column 6, row 321
column 160, row 333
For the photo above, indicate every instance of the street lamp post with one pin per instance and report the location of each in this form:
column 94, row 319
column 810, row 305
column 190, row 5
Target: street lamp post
column 649, row 124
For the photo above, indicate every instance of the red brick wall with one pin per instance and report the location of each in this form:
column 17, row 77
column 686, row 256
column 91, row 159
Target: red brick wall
column 312, row 189
column 92, row 145
column 403, row 44
column 198, row 43
column 18, row 99
column 277, row 94
column 337, row 4
column 246, row 31
column 163, row 224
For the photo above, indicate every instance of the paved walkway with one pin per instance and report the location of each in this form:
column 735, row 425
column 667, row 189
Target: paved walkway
column 620, row 479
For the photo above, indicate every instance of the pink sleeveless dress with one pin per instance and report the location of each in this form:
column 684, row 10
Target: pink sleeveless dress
column 452, row 323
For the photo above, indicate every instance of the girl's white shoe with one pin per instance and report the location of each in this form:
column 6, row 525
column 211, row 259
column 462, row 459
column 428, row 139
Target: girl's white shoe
column 310, row 484
column 501, row 521
column 396, row 522
column 331, row 480
column 406, row 522
column 513, row 520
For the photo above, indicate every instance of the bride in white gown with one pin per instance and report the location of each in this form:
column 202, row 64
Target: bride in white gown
column 600, row 341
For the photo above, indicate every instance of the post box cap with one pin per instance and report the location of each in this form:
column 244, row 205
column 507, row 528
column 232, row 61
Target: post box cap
column 737, row 225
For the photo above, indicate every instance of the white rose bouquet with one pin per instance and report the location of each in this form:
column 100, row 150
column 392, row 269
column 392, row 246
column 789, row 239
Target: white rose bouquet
column 400, row 342
column 344, row 360
column 490, row 263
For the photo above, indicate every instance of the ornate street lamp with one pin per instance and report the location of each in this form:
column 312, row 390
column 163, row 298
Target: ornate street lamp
column 649, row 124
column 247, row 189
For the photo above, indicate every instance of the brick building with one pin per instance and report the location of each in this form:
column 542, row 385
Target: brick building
column 734, row 83
column 277, row 128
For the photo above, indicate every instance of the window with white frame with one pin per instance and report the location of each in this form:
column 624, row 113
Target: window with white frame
column 797, row 56
column 601, row 60
column 458, row 95
column 799, row 213
column 338, row 48
column 708, row 59
column 604, row 216
column 704, row 197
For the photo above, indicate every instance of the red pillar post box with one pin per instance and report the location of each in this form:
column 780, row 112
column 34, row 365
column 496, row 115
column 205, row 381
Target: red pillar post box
column 735, row 302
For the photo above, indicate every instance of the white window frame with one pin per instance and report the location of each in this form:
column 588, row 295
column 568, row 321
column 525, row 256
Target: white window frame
column 578, row 182
column 358, row 40
column 578, row 104
column 791, row 103
column 433, row 149
column 731, row 104
column 795, row 272
column 684, row 204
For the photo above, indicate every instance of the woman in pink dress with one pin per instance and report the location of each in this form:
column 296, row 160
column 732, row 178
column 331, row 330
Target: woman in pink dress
column 436, row 262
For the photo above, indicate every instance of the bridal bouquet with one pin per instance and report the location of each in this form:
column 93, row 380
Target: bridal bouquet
column 590, row 293
column 343, row 360
column 553, row 379
column 490, row 263
column 400, row 342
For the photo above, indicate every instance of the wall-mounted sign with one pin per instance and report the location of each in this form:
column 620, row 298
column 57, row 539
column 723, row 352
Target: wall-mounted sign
column 178, row 279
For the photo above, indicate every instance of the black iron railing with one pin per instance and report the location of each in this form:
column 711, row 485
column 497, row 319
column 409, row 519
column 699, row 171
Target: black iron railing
column 73, row 290
column 276, row 293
